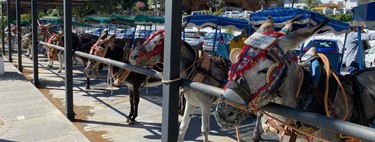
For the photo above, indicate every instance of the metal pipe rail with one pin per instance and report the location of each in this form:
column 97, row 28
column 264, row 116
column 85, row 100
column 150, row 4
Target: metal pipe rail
column 151, row 73
column 344, row 127
column 363, row 132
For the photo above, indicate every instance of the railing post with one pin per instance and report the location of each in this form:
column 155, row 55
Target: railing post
column 9, row 32
column 34, row 16
column 171, row 59
column 68, row 59
column 18, row 17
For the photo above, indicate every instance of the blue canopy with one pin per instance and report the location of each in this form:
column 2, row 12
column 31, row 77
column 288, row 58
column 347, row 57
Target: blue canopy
column 281, row 15
column 211, row 20
column 363, row 15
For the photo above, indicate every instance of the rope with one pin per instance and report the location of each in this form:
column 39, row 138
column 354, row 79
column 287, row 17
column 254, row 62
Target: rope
column 294, row 128
column 110, row 78
column 238, row 134
column 147, row 78
column 170, row 81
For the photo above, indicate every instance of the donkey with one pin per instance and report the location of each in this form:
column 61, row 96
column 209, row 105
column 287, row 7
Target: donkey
column 266, row 74
column 119, row 50
column 53, row 54
column 195, row 65
column 44, row 32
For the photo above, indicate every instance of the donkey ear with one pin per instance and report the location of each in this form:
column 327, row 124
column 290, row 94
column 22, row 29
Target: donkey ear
column 294, row 39
column 267, row 25
column 103, row 36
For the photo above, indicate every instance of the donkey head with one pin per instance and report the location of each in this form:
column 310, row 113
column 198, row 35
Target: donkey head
column 255, row 76
column 26, row 40
column 99, row 49
column 43, row 30
column 150, row 52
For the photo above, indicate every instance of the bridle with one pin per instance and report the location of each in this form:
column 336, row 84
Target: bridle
column 248, row 58
column 157, row 50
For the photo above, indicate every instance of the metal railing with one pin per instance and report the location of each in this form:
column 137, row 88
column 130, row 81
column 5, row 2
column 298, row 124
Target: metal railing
column 344, row 127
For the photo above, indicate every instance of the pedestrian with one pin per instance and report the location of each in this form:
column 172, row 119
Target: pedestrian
column 351, row 53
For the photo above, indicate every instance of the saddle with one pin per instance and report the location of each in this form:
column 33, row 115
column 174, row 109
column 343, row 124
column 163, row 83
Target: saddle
column 122, row 74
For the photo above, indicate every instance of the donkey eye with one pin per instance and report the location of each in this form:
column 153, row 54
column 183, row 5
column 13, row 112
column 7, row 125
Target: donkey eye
column 263, row 71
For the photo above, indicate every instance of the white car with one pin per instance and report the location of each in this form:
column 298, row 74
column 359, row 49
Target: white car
column 194, row 38
column 370, row 57
column 233, row 14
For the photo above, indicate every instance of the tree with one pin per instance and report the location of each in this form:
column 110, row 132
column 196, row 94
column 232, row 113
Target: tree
column 311, row 3
column 55, row 12
column 26, row 17
column 82, row 11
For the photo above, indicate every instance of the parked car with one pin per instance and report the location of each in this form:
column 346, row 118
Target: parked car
column 199, row 13
column 233, row 14
column 220, row 38
column 370, row 57
column 124, row 33
column 96, row 31
column 194, row 38
column 246, row 14
column 331, row 48
column 325, row 45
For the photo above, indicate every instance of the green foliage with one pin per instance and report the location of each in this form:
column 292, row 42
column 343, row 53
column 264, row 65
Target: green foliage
column 41, row 14
column 218, row 11
column 26, row 17
column 82, row 11
column 341, row 17
column 55, row 12
column 311, row 3
column 229, row 30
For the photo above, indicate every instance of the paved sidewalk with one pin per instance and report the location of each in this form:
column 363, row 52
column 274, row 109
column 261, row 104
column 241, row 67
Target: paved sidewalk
column 100, row 114
column 26, row 115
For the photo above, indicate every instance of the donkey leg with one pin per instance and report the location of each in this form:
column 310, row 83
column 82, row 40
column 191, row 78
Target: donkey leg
column 31, row 52
column 27, row 52
column 87, row 83
column 205, row 121
column 136, row 103
column 258, row 127
column 60, row 58
column 131, row 98
column 49, row 63
column 189, row 109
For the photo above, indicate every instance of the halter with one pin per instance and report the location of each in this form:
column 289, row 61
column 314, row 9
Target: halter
column 156, row 50
column 248, row 58
column 52, row 51
column 44, row 31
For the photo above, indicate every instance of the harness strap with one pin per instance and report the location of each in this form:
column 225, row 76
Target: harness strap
column 122, row 74
column 294, row 128
column 330, row 71
column 204, row 64
column 241, row 88
column 239, row 106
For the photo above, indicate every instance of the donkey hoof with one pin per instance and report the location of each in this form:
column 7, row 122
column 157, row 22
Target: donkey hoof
column 131, row 122
column 58, row 71
column 256, row 138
